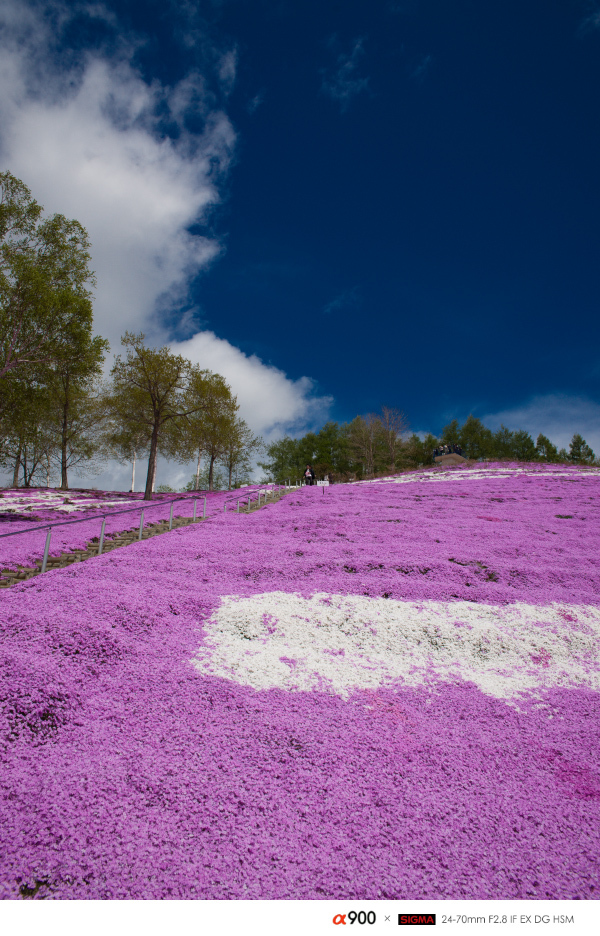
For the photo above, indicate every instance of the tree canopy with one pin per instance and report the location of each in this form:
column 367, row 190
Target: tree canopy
column 45, row 282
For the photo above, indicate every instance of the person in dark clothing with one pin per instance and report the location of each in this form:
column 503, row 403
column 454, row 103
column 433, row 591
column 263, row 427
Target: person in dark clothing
column 309, row 475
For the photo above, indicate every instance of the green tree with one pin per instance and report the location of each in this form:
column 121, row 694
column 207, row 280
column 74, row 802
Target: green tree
column 475, row 439
column 240, row 444
column 29, row 440
column 580, row 451
column 545, row 449
column 451, row 433
column 218, row 428
column 45, row 282
column 523, row 446
column 79, row 418
column 393, row 424
column 503, row 443
column 366, row 444
column 420, row 451
column 152, row 388
column 79, row 404
column 200, row 482
column 331, row 453
column 209, row 400
column 126, row 443
column 284, row 461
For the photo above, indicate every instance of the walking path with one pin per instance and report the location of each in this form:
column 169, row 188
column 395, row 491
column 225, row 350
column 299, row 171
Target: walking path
column 10, row 576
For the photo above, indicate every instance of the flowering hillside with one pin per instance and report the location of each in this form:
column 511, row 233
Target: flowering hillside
column 388, row 689
column 27, row 510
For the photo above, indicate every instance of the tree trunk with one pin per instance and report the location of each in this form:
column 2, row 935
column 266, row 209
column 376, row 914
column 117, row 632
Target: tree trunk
column 151, row 463
column 64, row 483
column 230, row 471
column 133, row 474
column 26, row 479
column 47, row 471
column 211, row 472
column 197, row 483
column 15, row 482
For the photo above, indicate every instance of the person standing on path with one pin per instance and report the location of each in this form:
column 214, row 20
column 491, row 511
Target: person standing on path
column 309, row 475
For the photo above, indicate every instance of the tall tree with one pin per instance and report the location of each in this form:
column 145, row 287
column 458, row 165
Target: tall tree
column 146, row 393
column 155, row 389
column 331, row 453
column 45, row 282
column 239, row 446
column 79, row 404
column 80, row 415
column 580, row 451
column 503, row 443
column 29, row 440
column 126, row 443
column 365, row 442
column 208, row 397
column 420, row 451
column 475, row 439
column 451, row 433
column 523, row 446
column 218, row 426
column 393, row 423
column 545, row 449
column 284, row 461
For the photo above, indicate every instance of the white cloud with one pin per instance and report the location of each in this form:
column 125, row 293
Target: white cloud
column 419, row 71
column 557, row 416
column 88, row 143
column 347, row 299
column 342, row 83
column 86, row 133
column 228, row 70
column 270, row 402
column 255, row 103
column 591, row 21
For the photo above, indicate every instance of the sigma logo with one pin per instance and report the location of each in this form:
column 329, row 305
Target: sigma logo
column 416, row 919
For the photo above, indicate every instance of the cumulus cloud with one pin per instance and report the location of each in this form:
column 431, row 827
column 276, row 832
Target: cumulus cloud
column 270, row 402
column 94, row 140
column 342, row 82
column 557, row 416
column 90, row 143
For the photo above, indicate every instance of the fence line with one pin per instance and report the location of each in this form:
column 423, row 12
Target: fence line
column 143, row 506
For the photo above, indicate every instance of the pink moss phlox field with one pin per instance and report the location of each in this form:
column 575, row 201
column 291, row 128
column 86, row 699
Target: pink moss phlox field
column 129, row 772
column 26, row 508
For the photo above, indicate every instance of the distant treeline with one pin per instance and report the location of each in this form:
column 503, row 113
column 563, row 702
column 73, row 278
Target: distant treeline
column 377, row 444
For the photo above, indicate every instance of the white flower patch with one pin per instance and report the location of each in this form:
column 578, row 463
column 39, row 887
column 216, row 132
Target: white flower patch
column 62, row 503
column 481, row 474
column 340, row 643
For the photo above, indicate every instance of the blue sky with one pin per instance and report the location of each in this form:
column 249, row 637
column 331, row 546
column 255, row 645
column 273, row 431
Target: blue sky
column 340, row 205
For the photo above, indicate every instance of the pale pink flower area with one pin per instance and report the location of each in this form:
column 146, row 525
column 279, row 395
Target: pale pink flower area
column 387, row 690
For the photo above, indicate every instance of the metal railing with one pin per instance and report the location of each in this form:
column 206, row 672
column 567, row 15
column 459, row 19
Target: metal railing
column 144, row 507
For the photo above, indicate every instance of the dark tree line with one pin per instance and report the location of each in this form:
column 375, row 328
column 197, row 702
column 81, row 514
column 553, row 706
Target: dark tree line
column 477, row 441
column 379, row 444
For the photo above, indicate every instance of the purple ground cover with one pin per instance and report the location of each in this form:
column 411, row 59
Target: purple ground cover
column 142, row 760
column 24, row 510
